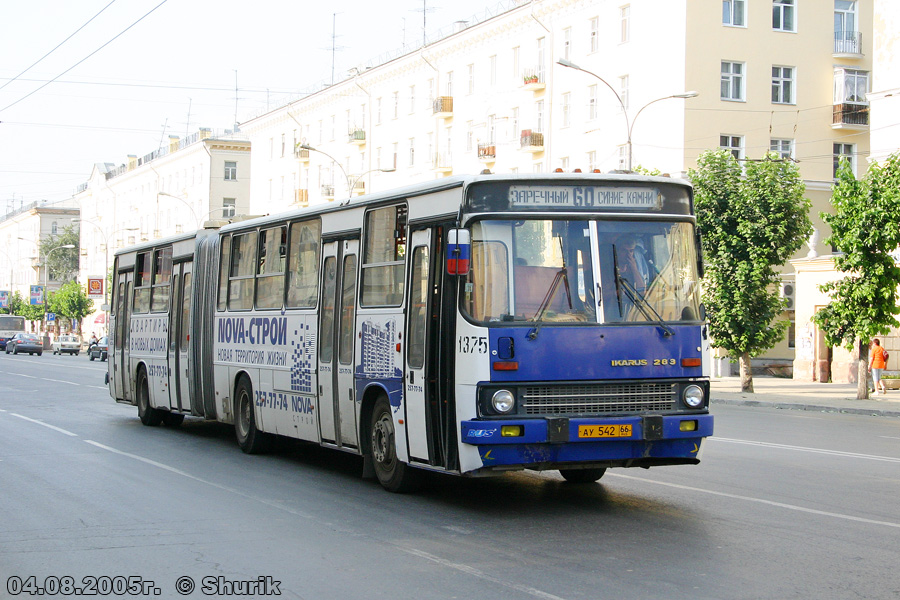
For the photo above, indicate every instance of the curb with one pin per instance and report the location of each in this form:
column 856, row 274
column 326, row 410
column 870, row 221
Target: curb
column 873, row 412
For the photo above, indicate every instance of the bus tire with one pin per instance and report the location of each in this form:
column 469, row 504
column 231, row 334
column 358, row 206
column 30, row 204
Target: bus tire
column 249, row 438
column 151, row 417
column 393, row 475
column 171, row 419
column 582, row 475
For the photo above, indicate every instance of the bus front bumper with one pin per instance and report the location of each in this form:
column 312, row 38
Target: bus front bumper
column 620, row 441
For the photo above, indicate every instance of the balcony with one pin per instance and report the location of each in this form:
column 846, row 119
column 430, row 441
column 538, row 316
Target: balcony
column 850, row 116
column 328, row 192
column 443, row 107
column 533, row 80
column 301, row 198
column 359, row 185
column 847, row 44
column 357, row 137
column 487, row 153
column 531, row 141
column 302, row 155
column 442, row 163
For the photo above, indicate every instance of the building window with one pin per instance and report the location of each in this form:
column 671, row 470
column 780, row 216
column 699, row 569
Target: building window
column 470, row 135
column 567, row 42
column 396, row 99
column 564, row 164
column 230, row 171
column 450, row 83
column 491, row 128
column 846, row 37
column 566, row 109
column 622, row 157
column 541, row 52
column 595, row 34
column 412, row 151
column 783, row 85
column 783, row 15
column 734, row 13
column 514, row 119
column 395, row 150
column 592, row 160
column 623, row 90
column 734, row 144
column 592, row 102
column 412, row 99
column 847, row 151
column 378, row 111
column 470, row 69
column 282, row 145
column 732, row 81
column 492, row 62
column 515, row 64
column 783, row 148
column 850, row 86
column 625, row 23
column 539, row 116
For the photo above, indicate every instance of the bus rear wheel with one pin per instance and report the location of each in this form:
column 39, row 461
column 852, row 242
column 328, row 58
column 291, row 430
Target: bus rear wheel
column 582, row 475
column 393, row 475
column 150, row 416
column 171, row 419
column 249, row 438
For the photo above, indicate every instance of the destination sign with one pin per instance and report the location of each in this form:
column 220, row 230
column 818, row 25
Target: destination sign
column 565, row 196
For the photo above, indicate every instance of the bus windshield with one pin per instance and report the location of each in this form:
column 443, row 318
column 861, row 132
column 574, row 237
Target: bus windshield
column 582, row 271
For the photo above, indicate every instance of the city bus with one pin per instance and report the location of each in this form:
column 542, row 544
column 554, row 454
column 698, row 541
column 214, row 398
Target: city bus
column 10, row 325
column 472, row 325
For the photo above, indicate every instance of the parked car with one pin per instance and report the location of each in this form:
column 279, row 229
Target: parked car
column 25, row 342
column 99, row 349
column 66, row 344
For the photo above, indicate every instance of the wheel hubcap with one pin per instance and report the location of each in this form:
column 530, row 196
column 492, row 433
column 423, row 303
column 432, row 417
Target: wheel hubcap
column 381, row 440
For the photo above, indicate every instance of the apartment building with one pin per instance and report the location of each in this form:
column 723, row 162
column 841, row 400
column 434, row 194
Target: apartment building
column 649, row 83
column 172, row 190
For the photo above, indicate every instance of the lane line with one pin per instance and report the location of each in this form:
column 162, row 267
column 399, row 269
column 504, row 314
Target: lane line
column 409, row 550
column 47, row 425
column 812, row 511
column 63, row 381
column 805, row 449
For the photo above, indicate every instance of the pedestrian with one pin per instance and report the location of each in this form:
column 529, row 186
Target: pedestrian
column 877, row 365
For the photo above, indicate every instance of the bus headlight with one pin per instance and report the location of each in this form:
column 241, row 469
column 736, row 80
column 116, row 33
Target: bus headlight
column 693, row 396
column 503, row 401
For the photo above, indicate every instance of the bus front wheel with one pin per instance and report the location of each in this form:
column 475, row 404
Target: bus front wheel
column 149, row 416
column 582, row 475
column 394, row 475
column 249, row 438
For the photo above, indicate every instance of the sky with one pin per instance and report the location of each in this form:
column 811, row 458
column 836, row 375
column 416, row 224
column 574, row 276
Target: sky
column 92, row 81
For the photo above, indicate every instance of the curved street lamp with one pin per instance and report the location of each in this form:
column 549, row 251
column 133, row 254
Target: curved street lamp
column 629, row 124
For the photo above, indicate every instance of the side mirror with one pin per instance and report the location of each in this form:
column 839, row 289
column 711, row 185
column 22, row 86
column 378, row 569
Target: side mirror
column 459, row 251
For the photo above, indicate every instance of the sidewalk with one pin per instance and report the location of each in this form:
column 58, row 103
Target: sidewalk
column 777, row 392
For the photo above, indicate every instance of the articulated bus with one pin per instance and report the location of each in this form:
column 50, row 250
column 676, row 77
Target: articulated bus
column 471, row 325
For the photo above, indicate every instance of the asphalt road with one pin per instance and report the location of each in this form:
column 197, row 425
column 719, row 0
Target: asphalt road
column 786, row 504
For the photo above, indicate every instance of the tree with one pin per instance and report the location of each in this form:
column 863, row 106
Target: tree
column 865, row 227
column 752, row 220
column 71, row 301
column 63, row 264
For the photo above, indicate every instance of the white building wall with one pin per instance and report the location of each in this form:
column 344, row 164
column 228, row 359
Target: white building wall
column 885, row 97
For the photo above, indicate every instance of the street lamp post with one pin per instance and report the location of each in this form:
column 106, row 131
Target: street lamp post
column 185, row 202
column 351, row 182
column 629, row 124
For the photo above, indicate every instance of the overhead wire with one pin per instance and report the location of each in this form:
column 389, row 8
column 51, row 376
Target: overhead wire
column 55, row 48
column 117, row 36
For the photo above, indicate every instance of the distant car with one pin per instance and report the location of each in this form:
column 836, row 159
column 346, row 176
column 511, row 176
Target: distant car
column 99, row 349
column 66, row 344
column 25, row 342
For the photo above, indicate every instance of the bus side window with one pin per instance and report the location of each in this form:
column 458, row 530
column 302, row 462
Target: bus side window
column 162, row 279
column 142, row 283
column 384, row 257
column 224, row 263
column 303, row 264
column 242, row 272
column 270, row 269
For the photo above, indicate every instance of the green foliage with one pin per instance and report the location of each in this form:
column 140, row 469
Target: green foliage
column 865, row 227
column 21, row 307
column 751, row 221
column 63, row 263
column 71, row 301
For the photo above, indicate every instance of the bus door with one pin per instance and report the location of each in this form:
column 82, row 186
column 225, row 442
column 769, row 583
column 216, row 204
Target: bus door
column 337, row 340
column 425, row 412
column 179, row 338
column 122, row 334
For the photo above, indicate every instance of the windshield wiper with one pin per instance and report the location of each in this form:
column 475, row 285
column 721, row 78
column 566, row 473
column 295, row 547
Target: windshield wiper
column 643, row 304
column 561, row 276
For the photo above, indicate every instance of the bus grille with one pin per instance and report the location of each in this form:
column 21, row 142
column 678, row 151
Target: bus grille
column 598, row 399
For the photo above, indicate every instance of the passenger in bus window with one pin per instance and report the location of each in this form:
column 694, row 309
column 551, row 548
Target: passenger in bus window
column 632, row 262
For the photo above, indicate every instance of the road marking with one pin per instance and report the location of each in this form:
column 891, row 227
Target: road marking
column 889, row 437
column 413, row 551
column 811, row 511
column 805, row 449
column 53, row 427
column 63, row 381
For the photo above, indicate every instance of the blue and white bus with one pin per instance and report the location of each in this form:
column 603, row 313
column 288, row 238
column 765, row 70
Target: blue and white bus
column 470, row 325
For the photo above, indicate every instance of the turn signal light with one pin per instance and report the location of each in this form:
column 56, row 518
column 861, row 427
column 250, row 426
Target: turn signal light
column 511, row 431
column 691, row 362
column 687, row 426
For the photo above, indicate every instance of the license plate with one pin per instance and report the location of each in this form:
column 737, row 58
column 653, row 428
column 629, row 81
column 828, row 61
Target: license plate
column 604, row 431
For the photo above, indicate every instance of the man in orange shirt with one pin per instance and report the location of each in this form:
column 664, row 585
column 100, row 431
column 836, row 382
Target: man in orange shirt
column 877, row 365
